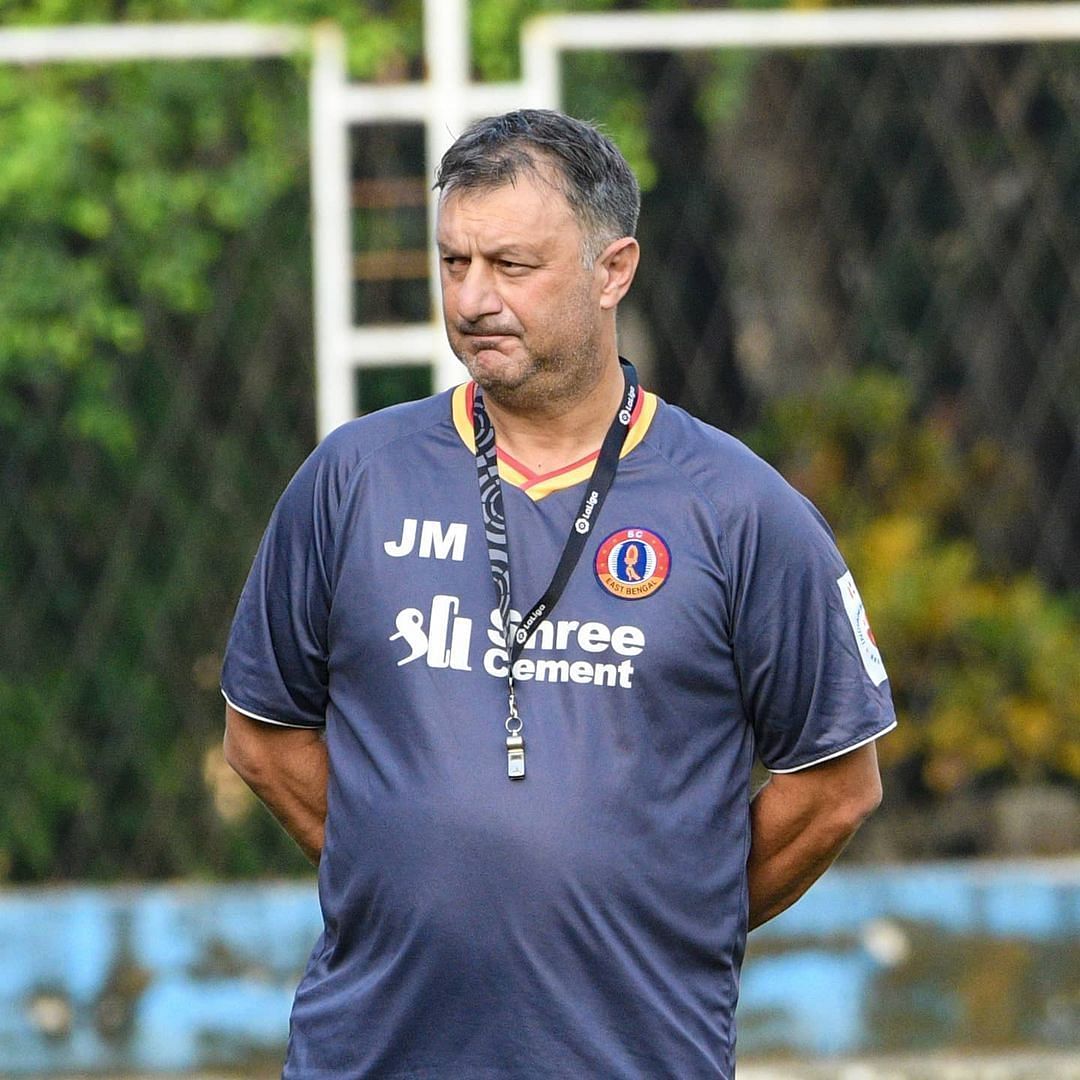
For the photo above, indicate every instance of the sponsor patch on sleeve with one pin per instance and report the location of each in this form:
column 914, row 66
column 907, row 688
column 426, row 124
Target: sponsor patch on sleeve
column 860, row 625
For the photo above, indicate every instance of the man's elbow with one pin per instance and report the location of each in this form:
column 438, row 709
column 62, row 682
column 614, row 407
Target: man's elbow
column 856, row 806
column 244, row 753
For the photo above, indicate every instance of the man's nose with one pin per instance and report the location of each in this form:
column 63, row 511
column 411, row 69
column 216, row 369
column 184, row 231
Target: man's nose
column 477, row 295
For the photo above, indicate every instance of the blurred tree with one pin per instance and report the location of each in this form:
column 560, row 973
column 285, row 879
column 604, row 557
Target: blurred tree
column 155, row 395
column 983, row 668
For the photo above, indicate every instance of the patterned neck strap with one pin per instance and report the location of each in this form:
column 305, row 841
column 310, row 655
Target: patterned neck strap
column 491, row 504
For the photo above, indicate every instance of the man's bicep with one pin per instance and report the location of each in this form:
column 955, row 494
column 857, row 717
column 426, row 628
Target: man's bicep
column 800, row 822
column 255, row 745
column 287, row 768
column 849, row 783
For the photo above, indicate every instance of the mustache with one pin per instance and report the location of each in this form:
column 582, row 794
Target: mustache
column 482, row 329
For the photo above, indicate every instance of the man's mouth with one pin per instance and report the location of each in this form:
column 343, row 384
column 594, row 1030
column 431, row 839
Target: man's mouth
column 485, row 334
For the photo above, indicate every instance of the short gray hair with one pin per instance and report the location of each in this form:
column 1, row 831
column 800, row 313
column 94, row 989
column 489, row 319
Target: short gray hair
column 585, row 164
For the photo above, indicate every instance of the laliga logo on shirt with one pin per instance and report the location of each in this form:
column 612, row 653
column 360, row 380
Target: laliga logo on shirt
column 582, row 525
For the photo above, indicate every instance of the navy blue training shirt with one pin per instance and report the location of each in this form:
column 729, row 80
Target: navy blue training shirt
column 590, row 920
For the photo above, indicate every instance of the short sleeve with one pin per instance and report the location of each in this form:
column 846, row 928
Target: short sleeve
column 813, row 682
column 275, row 666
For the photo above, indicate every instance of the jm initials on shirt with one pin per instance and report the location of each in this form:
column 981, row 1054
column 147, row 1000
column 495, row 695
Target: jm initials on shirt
column 436, row 540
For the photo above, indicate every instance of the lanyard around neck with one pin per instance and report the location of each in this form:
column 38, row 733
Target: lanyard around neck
column 491, row 504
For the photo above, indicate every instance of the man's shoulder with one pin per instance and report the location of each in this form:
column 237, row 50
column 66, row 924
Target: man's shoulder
column 708, row 456
column 393, row 437
column 746, row 493
column 358, row 439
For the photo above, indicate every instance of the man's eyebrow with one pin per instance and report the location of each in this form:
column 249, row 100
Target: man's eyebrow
column 511, row 249
column 516, row 250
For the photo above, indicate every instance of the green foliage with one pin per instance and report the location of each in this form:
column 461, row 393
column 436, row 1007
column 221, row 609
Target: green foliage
column 381, row 34
column 601, row 86
column 496, row 30
column 603, row 90
column 984, row 668
column 155, row 395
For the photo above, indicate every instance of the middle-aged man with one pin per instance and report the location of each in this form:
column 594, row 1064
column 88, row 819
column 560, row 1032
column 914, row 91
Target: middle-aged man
column 506, row 656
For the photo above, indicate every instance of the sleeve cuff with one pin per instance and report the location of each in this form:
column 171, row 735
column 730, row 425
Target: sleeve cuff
column 269, row 719
column 835, row 753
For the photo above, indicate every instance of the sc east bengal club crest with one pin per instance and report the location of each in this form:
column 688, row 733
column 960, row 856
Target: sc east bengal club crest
column 633, row 563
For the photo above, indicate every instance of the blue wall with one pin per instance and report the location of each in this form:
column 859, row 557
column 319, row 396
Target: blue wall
column 904, row 958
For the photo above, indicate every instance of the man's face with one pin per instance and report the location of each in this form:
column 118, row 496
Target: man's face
column 522, row 312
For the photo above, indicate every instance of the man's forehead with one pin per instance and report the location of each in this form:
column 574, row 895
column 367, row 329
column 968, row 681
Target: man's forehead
column 515, row 206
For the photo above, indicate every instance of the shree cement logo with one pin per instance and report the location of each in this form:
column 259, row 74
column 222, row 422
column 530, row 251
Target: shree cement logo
column 563, row 651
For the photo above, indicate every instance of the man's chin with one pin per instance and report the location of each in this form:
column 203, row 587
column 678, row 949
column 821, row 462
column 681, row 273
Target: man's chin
column 494, row 370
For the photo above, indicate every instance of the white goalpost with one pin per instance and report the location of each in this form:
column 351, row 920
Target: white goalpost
column 448, row 99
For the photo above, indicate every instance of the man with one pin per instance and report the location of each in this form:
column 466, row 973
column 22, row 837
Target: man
column 538, row 853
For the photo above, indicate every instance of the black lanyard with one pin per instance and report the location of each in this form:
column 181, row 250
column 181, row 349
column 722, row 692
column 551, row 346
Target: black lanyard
column 491, row 503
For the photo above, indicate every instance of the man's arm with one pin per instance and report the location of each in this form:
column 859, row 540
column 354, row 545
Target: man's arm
column 287, row 768
column 800, row 822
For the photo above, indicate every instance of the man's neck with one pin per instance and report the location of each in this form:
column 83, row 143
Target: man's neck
column 551, row 437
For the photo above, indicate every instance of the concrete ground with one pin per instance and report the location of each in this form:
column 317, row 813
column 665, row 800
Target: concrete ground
column 1064, row 1066
column 1018, row 1066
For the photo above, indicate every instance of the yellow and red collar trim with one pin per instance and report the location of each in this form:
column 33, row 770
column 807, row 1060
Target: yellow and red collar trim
column 537, row 485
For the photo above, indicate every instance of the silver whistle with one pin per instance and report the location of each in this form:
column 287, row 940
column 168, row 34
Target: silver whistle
column 515, row 757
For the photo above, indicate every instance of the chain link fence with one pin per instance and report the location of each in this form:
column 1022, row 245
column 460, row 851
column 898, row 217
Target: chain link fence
column 912, row 210
column 810, row 215
column 155, row 395
column 865, row 261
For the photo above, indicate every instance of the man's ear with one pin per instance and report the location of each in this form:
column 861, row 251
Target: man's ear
column 617, row 263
